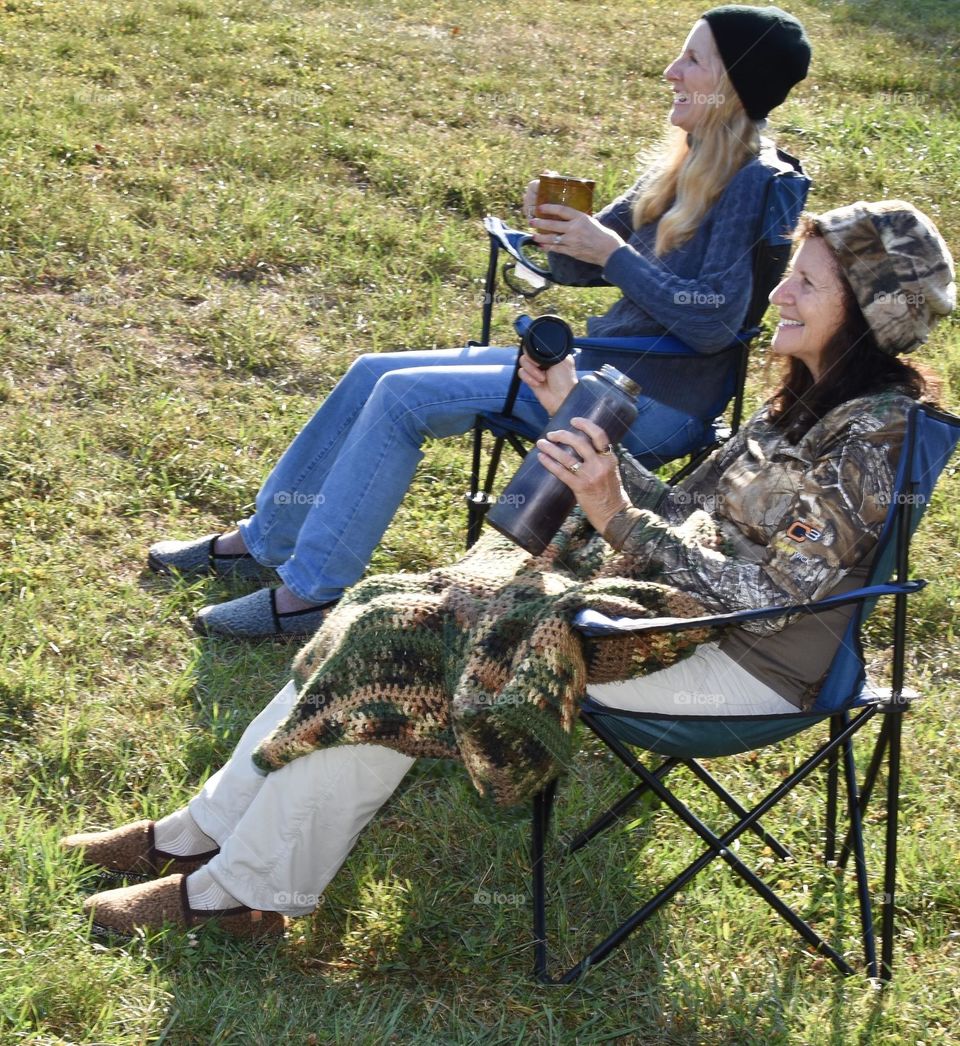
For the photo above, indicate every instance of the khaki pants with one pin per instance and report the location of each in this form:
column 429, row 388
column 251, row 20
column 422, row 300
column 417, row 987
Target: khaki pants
column 708, row 682
column 284, row 835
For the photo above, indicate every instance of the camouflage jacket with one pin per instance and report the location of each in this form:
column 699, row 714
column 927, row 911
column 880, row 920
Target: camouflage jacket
column 789, row 521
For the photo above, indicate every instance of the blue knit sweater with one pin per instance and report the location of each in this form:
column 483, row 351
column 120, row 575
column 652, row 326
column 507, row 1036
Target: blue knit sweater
column 699, row 292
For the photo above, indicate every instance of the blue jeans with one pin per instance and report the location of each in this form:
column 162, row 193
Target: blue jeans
column 325, row 506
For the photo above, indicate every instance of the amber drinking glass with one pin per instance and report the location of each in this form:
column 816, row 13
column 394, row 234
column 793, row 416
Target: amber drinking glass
column 571, row 192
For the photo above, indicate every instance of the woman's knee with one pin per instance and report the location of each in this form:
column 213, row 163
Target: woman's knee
column 408, row 399
column 366, row 370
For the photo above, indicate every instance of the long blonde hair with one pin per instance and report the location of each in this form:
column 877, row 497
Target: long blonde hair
column 688, row 178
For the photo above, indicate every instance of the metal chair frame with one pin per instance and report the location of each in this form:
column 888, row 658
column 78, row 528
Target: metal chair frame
column 848, row 709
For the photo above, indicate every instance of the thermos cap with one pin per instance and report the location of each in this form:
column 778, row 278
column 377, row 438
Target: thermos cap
column 622, row 382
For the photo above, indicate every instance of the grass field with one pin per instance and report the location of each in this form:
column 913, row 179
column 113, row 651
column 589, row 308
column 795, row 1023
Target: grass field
column 207, row 209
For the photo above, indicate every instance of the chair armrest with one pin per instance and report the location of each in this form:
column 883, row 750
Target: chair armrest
column 513, row 241
column 658, row 344
column 593, row 623
column 636, row 345
column 661, row 344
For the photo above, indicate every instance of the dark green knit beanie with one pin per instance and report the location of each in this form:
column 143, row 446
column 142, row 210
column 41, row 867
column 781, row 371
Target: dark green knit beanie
column 764, row 50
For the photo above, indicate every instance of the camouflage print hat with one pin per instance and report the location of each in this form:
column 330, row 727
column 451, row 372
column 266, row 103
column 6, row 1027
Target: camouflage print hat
column 900, row 269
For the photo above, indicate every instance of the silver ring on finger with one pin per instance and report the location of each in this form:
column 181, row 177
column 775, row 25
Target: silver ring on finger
column 608, row 449
column 558, row 238
column 575, row 467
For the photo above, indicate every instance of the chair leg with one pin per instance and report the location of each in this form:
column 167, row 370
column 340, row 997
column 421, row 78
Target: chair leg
column 856, row 832
column 518, row 445
column 895, row 720
column 478, row 497
column 869, row 780
column 719, row 846
column 542, row 807
column 830, row 840
column 620, row 934
column 475, row 510
column 718, row 790
column 888, row 741
column 605, row 820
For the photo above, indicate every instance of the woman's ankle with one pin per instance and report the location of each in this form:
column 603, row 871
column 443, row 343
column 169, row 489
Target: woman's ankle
column 288, row 601
column 205, row 894
column 179, row 834
column 230, row 543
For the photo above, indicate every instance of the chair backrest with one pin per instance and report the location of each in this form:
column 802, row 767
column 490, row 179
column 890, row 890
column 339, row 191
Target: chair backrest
column 785, row 197
column 931, row 437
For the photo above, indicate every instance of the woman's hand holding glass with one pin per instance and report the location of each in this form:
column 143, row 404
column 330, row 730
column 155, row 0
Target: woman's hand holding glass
column 563, row 230
column 584, row 461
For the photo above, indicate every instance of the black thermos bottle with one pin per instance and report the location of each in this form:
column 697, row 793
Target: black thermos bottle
column 535, row 502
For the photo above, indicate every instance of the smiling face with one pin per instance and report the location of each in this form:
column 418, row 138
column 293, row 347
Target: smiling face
column 811, row 302
column 695, row 78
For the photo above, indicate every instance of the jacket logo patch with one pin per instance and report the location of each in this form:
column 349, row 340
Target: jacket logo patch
column 800, row 530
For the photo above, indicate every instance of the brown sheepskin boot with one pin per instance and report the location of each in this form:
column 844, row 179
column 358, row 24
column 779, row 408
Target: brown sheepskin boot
column 131, row 850
column 164, row 902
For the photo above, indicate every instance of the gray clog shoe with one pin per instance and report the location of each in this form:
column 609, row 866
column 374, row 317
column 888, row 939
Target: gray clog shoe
column 255, row 617
column 196, row 558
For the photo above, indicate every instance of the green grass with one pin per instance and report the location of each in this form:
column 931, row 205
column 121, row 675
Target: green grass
column 206, row 211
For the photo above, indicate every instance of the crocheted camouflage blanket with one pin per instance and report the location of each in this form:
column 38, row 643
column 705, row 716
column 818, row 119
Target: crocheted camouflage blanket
column 478, row 661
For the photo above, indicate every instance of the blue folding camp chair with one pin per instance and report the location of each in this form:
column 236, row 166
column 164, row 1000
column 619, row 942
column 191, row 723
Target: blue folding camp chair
column 845, row 700
column 785, row 196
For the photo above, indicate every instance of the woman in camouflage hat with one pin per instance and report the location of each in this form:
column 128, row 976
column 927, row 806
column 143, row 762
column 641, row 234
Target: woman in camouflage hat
column 477, row 661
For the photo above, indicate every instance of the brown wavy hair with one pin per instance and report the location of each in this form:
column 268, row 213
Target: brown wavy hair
column 854, row 365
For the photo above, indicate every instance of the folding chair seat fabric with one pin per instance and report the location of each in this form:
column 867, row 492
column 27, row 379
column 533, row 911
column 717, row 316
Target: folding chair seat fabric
column 700, row 736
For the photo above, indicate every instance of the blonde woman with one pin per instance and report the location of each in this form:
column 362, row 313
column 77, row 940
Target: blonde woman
column 678, row 245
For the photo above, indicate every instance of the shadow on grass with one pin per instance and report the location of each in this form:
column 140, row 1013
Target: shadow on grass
column 431, row 915
column 839, row 894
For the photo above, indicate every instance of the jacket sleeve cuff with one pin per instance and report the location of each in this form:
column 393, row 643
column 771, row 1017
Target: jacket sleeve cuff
column 644, row 489
column 621, row 267
column 621, row 525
